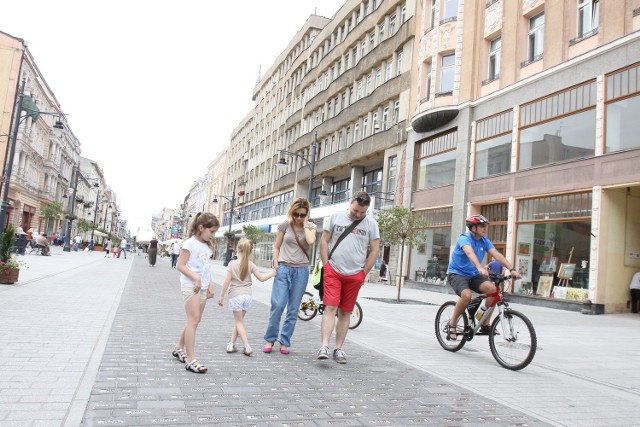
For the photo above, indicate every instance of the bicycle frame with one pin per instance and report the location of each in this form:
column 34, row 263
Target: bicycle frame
column 498, row 301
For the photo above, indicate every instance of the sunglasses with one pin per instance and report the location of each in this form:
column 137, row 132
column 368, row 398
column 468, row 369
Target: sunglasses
column 364, row 201
column 299, row 215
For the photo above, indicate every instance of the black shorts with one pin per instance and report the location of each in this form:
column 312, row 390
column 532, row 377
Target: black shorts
column 460, row 283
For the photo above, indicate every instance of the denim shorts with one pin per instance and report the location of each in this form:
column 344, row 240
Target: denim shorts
column 240, row 303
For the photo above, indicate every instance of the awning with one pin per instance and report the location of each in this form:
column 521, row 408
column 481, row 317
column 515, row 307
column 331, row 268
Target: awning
column 99, row 233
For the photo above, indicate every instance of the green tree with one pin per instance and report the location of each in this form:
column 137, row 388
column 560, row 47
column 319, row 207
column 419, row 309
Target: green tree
column 253, row 233
column 51, row 212
column 84, row 225
column 400, row 226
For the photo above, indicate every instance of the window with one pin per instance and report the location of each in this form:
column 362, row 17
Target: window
column 374, row 123
column 494, row 59
column 399, row 63
column 372, row 181
column 387, row 71
column 367, row 89
column 536, row 37
column 347, row 137
column 378, row 81
column 446, row 74
column 356, row 132
column 432, row 20
column 623, row 109
column 385, row 118
column 354, row 54
column 437, row 161
column 340, row 191
column 380, row 33
column 392, row 174
column 450, row 10
column 365, row 125
column 363, row 48
column 588, row 11
column 392, row 25
column 372, row 41
column 396, row 112
column 403, row 14
column 493, row 145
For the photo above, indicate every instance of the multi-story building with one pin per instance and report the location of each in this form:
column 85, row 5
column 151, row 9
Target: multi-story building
column 526, row 111
column 338, row 97
column 44, row 160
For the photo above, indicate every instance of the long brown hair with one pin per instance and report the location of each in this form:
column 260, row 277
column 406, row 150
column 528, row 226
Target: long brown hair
column 205, row 219
column 245, row 247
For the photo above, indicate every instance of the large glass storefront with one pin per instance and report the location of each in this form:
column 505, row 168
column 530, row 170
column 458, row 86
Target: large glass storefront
column 553, row 246
column 429, row 261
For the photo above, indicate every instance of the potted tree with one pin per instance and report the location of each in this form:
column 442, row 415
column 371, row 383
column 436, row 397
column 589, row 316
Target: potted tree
column 9, row 266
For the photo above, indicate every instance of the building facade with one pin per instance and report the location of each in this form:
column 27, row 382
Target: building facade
column 524, row 112
column 337, row 98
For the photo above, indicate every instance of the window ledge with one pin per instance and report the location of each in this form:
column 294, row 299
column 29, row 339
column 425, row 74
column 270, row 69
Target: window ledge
column 583, row 37
column 451, row 19
column 447, row 93
column 491, row 79
column 532, row 60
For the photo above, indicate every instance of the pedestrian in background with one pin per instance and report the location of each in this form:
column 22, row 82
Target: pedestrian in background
column 107, row 247
column 196, row 285
column 291, row 260
column 90, row 246
column 238, row 282
column 123, row 248
column 78, row 240
column 152, row 252
column 175, row 251
column 634, row 286
column 345, row 270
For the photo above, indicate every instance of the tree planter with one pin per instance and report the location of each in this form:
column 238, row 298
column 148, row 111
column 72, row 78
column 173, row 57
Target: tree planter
column 9, row 276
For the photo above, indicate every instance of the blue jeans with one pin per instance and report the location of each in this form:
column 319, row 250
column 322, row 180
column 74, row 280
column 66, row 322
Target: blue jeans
column 287, row 291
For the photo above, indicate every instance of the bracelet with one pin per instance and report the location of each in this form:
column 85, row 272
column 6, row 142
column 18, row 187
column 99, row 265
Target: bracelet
column 512, row 269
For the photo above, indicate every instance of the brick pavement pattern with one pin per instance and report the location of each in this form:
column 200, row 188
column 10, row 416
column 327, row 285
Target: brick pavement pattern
column 139, row 382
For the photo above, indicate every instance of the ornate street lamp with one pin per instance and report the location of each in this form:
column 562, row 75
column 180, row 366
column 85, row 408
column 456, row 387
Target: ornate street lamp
column 230, row 239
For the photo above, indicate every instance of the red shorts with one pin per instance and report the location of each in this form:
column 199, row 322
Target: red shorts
column 339, row 290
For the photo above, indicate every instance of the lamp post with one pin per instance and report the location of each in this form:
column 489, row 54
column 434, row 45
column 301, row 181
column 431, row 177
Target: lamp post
column 67, row 246
column 232, row 199
column 311, row 163
column 95, row 213
column 106, row 211
column 12, row 148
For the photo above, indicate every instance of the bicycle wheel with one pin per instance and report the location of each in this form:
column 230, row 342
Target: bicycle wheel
column 444, row 315
column 356, row 316
column 516, row 345
column 308, row 308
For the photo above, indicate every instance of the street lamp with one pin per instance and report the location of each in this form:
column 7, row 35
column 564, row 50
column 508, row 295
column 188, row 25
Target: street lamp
column 58, row 127
column 67, row 246
column 282, row 163
column 232, row 199
column 106, row 211
column 95, row 211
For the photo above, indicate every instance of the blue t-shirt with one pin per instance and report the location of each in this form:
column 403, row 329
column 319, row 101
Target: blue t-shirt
column 459, row 262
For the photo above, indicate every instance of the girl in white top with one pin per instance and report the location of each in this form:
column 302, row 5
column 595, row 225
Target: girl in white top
column 238, row 281
column 196, row 285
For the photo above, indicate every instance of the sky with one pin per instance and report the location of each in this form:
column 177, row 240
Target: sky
column 153, row 89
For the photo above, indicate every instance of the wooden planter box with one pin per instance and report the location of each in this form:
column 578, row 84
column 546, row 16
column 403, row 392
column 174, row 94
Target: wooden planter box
column 12, row 277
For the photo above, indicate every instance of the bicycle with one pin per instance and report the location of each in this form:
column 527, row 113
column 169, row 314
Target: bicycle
column 512, row 338
column 311, row 305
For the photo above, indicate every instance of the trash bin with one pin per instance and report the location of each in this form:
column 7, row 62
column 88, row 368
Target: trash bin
column 21, row 243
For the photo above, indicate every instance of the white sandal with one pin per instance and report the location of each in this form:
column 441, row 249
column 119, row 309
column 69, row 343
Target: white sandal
column 178, row 353
column 195, row 366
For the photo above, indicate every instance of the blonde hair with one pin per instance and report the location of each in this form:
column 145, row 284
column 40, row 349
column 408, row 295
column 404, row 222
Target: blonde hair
column 245, row 247
column 205, row 219
column 300, row 203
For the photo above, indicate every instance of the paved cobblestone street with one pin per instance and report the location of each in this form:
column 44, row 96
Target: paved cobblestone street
column 140, row 383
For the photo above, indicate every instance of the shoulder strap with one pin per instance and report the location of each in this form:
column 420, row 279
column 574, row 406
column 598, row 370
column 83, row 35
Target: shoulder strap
column 344, row 234
column 298, row 241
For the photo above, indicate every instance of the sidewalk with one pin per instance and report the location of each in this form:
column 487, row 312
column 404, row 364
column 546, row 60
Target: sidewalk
column 86, row 340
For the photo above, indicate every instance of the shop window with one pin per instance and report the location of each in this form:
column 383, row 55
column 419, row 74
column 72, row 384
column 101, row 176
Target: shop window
column 493, row 145
column 430, row 260
column 622, row 109
column 437, row 161
column 567, row 138
column 498, row 216
column 553, row 231
column 340, row 191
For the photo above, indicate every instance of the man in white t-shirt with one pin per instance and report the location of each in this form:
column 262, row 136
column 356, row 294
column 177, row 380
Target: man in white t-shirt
column 175, row 252
column 345, row 272
column 123, row 248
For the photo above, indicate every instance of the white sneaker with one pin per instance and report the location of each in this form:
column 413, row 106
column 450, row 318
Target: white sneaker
column 247, row 350
column 231, row 348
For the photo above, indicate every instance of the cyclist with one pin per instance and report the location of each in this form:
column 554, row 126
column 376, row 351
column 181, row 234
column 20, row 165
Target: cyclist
column 466, row 273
